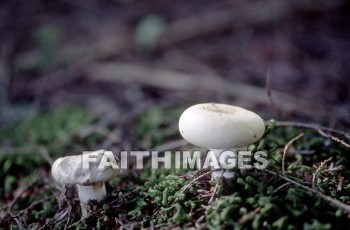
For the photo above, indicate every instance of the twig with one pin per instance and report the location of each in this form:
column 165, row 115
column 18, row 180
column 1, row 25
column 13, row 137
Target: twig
column 18, row 222
column 281, row 187
column 340, row 183
column 221, row 20
column 249, row 216
column 268, row 92
column 315, row 127
column 28, row 150
column 124, row 73
column 213, row 194
column 44, row 153
column 286, row 149
column 336, row 203
column 334, row 169
column 191, row 182
column 320, row 129
column 336, row 139
column 317, row 172
column 66, row 224
column 197, row 223
column 196, row 179
column 32, row 205
column 118, row 221
column 101, row 209
column 15, row 199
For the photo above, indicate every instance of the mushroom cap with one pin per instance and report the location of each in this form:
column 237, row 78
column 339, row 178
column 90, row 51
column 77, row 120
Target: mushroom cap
column 69, row 170
column 220, row 126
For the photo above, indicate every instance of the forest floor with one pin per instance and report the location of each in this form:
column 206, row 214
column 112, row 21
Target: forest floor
column 86, row 75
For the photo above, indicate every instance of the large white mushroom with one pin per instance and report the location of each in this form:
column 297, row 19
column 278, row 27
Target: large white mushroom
column 89, row 179
column 220, row 127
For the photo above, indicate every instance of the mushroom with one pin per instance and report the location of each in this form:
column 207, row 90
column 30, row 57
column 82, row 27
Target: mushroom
column 220, row 127
column 84, row 172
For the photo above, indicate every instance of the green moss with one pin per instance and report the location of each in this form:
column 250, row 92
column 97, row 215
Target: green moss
column 56, row 132
column 253, row 200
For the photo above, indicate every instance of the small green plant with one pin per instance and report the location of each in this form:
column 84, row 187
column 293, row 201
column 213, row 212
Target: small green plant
column 255, row 199
column 52, row 133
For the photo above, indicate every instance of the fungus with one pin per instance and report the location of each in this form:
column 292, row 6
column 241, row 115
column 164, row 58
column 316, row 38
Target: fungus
column 85, row 173
column 220, row 127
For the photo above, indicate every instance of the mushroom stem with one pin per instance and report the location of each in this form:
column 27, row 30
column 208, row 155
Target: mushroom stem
column 95, row 191
column 221, row 173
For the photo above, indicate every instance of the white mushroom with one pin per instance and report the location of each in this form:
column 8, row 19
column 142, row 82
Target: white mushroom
column 220, row 127
column 89, row 179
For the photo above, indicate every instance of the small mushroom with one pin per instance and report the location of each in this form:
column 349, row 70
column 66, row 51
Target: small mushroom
column 89, row 179
column 220, row 127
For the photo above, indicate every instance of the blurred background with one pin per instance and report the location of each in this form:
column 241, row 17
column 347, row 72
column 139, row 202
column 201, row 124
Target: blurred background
column 116, row 74
column 112, row 56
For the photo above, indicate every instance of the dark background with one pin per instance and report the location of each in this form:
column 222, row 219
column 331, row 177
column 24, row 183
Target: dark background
column 113, row 56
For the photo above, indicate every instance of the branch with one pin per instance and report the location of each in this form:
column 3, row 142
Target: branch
column 317, row 172
column 320, row 129
column 334, row 202
column 286, row 149
column 123, row 73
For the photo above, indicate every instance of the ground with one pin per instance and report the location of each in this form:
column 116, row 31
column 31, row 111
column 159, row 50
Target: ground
column 85, row 75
